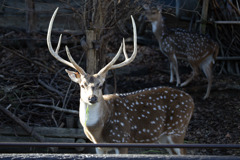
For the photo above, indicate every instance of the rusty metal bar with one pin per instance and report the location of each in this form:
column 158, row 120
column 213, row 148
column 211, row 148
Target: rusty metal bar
column 233, row 58
column 112, row 156
column 117, row 145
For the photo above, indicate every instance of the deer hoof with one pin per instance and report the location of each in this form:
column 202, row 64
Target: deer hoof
column 205, row 97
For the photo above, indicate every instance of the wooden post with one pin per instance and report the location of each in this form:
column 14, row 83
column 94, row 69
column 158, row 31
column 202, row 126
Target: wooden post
column 30, row 15
column 178, row 9
column 91, row 59
column 204, row 16
column 30, row 24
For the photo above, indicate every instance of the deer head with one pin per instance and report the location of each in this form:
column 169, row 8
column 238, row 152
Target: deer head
column 91, row 85
column 152, row 14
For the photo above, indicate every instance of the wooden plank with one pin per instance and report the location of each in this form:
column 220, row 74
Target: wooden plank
column 46, row 132
column 23, row 125
column 30, row 139
column 227, row 22
column 234, row 58
column 60, row 132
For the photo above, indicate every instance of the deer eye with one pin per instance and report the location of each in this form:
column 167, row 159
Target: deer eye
column 83, row 85
column 99, row 86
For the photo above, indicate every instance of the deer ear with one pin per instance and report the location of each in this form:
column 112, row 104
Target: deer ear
column 159, row 8
column 74, row 76
column 102, row 76
column 146, row 7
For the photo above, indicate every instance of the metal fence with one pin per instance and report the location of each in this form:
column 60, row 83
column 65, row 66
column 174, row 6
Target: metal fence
column 113, row 145
column 117, row 145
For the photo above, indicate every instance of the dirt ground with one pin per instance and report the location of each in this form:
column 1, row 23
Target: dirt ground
column 24, row 75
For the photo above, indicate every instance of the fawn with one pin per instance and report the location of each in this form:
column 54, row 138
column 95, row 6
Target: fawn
column 159, row 114
column 198, row 50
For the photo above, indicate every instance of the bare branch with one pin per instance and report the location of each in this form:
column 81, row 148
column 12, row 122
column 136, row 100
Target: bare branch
column 57, row 108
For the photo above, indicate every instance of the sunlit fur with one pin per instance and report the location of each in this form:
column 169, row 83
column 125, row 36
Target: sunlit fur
column 151, row 115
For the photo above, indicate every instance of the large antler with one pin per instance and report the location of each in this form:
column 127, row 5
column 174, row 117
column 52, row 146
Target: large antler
column 72, row 63
column 127, row 60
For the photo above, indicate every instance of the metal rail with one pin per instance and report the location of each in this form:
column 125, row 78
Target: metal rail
column 117, row 145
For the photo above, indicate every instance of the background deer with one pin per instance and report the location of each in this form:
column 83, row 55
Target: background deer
column 159, row 114
column 197, row 49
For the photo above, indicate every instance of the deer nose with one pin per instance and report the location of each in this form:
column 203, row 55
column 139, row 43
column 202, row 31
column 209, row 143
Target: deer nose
column 92, row 99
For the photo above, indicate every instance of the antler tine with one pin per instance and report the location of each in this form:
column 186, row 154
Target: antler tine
column 111, row 65
column 50, row 48
column 128, row 60
column 124, row 49
column 77, row 67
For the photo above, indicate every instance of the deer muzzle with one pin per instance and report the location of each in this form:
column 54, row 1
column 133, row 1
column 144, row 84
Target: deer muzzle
column 92, row 99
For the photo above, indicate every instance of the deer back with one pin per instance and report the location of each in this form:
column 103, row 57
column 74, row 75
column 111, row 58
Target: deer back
column 145, row 115
column 191, row 46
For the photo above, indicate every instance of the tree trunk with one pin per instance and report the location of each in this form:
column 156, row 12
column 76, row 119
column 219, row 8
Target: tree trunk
column 204, row 16
column 178, row 9
column 30, row 24
column 30, row 15
column 92, row 60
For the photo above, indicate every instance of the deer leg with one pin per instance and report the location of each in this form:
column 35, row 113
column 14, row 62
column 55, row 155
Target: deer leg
column 173, row 150
column 171, row 73
column 207, row 69
column 122, row 151
column 194, row 73
column 164, row 139
column 206, row 66
column 178, row 140
column 101, row 151
column 168, row 139
column 174, row 68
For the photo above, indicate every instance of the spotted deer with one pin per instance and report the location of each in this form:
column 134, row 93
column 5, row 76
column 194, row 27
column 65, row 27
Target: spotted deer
column 198, row 50
column 159, row 114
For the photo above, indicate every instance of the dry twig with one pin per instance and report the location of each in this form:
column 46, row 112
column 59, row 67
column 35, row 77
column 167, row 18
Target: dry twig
column 22, row 124
column 57, row 108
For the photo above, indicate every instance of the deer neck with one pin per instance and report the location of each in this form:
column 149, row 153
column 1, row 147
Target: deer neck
column 93, row 117
column 158, row 29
